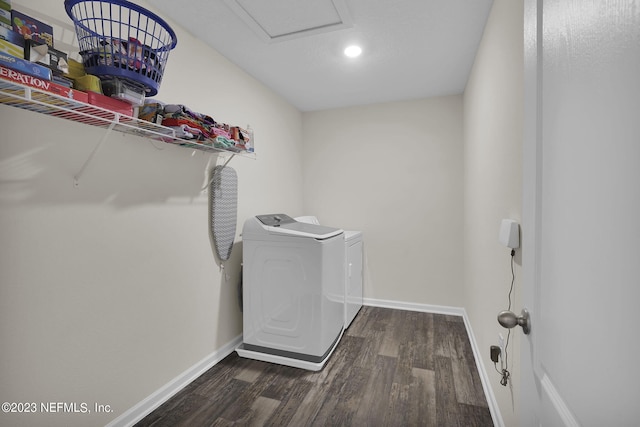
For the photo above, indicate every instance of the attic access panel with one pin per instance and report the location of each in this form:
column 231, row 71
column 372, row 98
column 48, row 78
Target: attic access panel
column 280, row 20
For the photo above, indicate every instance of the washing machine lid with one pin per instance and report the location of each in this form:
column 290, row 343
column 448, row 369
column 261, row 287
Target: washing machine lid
column 284, row 224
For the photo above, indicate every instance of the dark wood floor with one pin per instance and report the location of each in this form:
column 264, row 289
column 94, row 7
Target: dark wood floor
column 392, row 368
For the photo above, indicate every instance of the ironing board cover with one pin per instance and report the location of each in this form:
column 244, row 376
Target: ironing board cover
column 223, row 205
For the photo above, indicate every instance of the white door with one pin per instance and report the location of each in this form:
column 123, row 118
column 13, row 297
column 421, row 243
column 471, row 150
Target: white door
column 581, row 213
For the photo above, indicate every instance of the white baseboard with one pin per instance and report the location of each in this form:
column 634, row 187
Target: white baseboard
column 496, row 416
column 154, row 400
column 411, row 306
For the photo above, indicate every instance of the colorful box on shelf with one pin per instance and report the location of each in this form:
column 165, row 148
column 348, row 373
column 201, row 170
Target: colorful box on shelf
column 110, row 104
column 7, row 33
column 31, row 28
column 76, row 69
column 24, row 66
column 11, row 42
column 5, row 18
column 45, row 85
column 43, row 54
column 5, row 13
column 88, row 83
column 10, row 48
column 81, row 80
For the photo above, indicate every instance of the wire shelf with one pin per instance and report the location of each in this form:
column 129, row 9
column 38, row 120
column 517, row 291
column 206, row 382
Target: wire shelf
column 32, row 99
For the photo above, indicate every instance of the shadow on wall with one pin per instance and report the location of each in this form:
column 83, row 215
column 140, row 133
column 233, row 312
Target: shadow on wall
column 233, row 271
column 230, row 285
column 125, row 171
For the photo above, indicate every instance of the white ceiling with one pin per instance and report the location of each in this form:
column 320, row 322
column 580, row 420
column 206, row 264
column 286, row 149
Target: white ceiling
column 411, row 48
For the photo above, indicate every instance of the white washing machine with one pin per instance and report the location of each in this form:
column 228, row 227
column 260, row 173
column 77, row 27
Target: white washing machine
column 293, row 291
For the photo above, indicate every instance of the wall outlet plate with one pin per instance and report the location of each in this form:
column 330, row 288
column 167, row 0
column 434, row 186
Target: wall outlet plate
column 495, row 353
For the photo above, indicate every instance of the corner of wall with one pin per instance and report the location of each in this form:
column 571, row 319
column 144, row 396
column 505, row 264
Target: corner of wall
column 493, row 108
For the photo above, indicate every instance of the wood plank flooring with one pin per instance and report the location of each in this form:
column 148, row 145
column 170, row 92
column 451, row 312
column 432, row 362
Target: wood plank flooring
column 392, row 368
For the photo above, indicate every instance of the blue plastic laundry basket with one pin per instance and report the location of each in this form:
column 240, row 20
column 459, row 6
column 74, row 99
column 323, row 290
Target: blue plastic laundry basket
column 120, row 39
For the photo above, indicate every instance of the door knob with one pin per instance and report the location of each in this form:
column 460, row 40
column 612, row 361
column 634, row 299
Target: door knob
column 508, row 319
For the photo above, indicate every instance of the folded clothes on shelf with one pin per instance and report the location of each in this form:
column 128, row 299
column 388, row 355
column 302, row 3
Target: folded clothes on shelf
column 192, row 125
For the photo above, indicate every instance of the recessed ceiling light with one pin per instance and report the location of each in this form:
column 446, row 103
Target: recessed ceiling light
column 353, row 51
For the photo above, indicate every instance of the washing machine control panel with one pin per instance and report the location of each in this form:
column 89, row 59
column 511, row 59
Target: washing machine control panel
column 275, row 220
column 285, row 225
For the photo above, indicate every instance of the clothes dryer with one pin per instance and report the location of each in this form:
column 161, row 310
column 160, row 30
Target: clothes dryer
column 354, row 270
column 353, row 275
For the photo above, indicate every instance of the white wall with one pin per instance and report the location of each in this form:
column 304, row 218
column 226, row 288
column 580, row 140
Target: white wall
column 110, row 290
column 493, row 104
column 393, row 170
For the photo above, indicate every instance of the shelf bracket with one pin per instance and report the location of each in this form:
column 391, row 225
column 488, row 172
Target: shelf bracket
column 76, row 177
column 224, row 165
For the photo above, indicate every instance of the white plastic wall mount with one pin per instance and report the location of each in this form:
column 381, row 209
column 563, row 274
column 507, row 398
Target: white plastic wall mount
column 510, row 233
